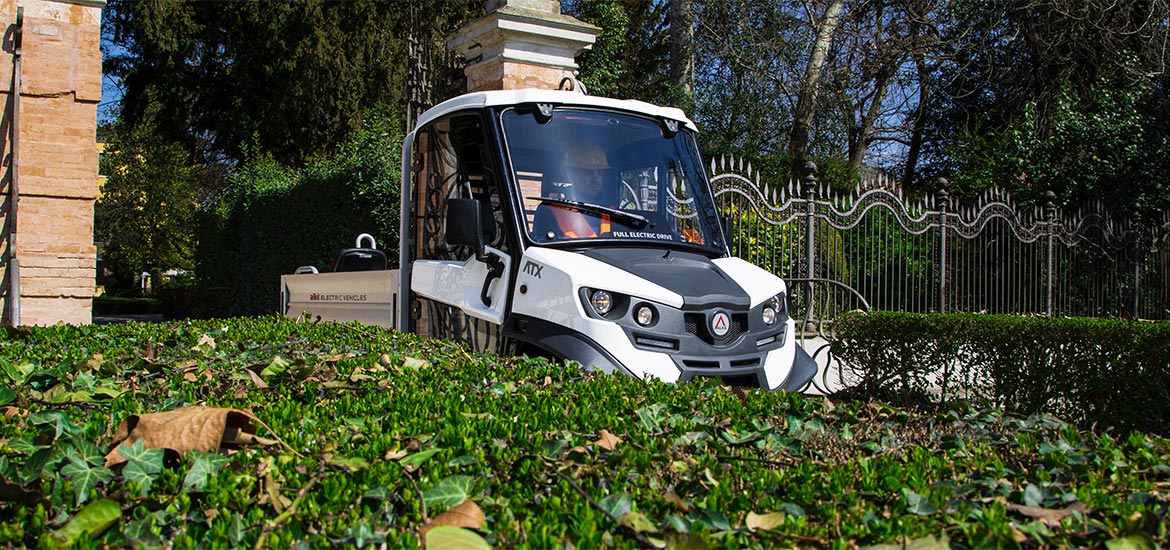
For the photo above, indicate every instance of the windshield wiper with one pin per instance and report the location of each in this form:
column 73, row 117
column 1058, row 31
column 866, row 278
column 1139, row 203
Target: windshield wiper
column 636, row 221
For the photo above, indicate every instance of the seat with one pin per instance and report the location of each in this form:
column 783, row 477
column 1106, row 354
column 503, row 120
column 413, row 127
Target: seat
column 360, row 259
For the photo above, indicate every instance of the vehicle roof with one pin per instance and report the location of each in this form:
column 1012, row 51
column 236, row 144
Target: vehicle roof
column 498, row 98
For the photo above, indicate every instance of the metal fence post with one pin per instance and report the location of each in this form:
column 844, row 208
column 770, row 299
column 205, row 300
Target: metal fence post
column 1137, row 264
column 944, row 200
column 810, row 197
column 1050, row 276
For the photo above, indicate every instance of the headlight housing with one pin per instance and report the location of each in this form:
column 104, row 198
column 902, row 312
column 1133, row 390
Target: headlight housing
column 602, row 302
column 774, row 309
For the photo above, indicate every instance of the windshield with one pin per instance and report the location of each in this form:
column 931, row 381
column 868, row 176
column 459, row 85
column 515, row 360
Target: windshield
column 587, row 175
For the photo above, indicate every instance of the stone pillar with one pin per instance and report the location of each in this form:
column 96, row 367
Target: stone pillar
column 521, row 44
column 57, row 166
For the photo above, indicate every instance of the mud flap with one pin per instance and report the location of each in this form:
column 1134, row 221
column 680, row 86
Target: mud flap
column 804, row 368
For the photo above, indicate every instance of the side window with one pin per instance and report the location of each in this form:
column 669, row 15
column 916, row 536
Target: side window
column 451, row 160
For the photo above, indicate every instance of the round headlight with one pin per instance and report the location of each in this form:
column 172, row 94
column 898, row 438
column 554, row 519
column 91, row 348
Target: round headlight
column 644, row 315
column 769, row 315
column 601, row 301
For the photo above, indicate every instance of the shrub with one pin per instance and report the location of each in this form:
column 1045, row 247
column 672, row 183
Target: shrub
column 386, row 433
column 1108, row 372
column 274, row 219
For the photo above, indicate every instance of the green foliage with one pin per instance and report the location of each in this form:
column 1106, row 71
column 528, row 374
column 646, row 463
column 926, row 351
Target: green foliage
column 1103, row 372
column 274, row 219
column 290, row 77
column 147, row 205
column 551, row 455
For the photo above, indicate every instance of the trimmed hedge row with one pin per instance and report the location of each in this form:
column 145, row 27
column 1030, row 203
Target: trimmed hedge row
column 398, row 441
column 1108, row 372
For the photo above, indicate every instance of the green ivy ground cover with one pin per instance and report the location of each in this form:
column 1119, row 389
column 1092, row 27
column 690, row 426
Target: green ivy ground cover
column 387, row 434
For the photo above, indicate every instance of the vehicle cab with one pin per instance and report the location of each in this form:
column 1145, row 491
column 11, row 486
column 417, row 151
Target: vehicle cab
column 551, row 222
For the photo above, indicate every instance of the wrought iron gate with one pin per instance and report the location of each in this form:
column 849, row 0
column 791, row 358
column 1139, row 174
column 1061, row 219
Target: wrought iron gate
column 875, row 248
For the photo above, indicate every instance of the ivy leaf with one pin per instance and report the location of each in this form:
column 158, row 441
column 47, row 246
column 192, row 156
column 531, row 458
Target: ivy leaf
column 1033, row 496
column 452, row 491
column 88, row 451
column 7, row 395
column 650, row 418
column 446, row 537
column 417, row 459
column 638, row 522
column 617, row 505
column 143, row 464
column 85, row 476
column 93, row 520
column 17, row 373
column 276, row 367
column 236, row 529
column 918, row 504
column 1132, row 542
column 205, row 465
column 353, row 464
column 713, row 520
column 56, row 419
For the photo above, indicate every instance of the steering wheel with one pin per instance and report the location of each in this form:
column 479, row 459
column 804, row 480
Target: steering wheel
column 629, row 199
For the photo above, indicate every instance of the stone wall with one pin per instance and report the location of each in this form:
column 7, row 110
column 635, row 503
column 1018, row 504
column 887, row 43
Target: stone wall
column 57, row 159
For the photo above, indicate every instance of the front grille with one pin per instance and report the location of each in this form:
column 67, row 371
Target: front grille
column 696, row 325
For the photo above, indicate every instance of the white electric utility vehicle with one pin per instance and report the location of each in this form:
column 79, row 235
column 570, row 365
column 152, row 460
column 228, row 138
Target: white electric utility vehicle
column 578, row 227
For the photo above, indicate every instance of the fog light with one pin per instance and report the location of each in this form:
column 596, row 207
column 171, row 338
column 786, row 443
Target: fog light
column 601, row 301
column 769, row 315
column 644, row 316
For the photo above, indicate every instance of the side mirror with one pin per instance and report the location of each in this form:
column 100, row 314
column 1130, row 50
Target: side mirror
column 464, row 227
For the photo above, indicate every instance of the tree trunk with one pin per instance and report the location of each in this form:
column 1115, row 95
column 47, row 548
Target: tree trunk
column 865, row 130
column 917, row 133
column 806, row 102
column 682, row 52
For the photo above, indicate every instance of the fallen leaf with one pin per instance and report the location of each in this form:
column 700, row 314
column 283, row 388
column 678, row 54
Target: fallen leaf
column 256, row 380
column 467, row 515
column 607, row 440
column 446, row 537
column 673, row 498
column 415, row 363
column 204, row 341
column 93, row 520
column 185, row 429
column 1048, row 516
column 766, row 522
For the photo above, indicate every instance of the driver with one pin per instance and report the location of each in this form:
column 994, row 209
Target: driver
column 587, row 169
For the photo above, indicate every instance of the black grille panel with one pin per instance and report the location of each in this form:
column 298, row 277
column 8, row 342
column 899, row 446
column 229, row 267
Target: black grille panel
column 696, row 325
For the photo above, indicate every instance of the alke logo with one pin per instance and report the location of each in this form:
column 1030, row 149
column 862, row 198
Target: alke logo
column 720, row 324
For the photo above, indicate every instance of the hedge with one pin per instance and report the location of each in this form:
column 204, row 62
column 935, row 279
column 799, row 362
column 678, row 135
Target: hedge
column 1108, row 372
column 275, row 219
column 386, row 439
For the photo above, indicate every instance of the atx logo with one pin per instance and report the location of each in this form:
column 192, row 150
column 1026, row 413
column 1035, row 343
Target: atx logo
column 720, row 324
column 532, row 268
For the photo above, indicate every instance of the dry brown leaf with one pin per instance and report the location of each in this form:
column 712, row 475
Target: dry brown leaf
column 741, row 393
column 185, row 429
column 204, row 341
column 256, row 380
column 467, row 515
column 673, row 498
column 95, row 362
column 608, row 441
column 10, row 412
column 1048, row 516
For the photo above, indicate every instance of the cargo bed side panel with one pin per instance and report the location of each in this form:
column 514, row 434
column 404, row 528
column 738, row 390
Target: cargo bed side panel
column 369, row 297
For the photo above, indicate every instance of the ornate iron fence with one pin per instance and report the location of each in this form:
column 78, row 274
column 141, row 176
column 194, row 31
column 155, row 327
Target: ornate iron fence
column 875, row 248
